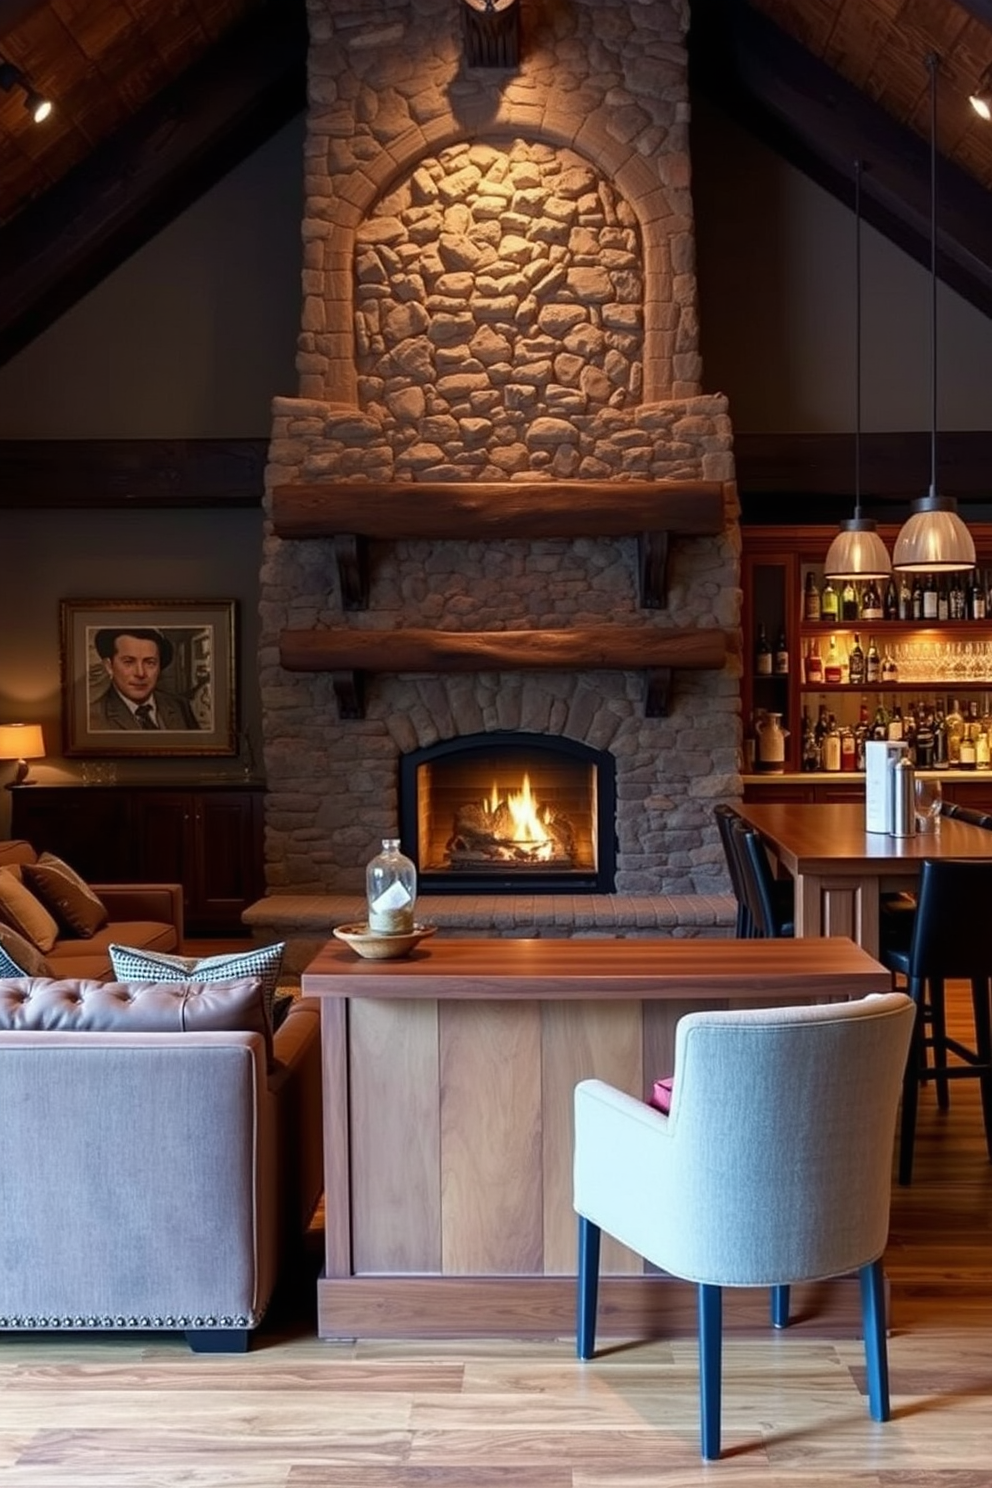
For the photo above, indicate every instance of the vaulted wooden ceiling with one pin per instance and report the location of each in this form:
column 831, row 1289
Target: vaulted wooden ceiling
column 156, row 99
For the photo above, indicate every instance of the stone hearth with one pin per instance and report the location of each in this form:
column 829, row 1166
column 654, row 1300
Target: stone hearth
column 499, row 286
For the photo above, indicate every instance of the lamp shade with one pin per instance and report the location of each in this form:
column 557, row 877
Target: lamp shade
column 934, row 540
column 21, row 742
column 857, row 552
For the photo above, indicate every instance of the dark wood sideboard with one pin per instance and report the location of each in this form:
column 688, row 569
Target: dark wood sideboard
column 208, row 837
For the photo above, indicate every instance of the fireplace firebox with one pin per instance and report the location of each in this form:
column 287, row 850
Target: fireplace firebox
column 506, row 812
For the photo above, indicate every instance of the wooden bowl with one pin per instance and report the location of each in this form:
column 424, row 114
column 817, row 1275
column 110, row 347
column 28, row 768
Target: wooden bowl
column 376, row 946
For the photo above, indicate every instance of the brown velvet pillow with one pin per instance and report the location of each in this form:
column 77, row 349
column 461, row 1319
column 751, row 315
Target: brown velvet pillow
column 18, row 957
column 26, row 914
column 68, row 896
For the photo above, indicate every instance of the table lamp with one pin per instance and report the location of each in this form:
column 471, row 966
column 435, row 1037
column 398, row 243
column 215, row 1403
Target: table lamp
column 21, row 742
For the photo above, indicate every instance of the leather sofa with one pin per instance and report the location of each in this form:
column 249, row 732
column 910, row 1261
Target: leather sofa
column 145, row 915
column 160, row 1154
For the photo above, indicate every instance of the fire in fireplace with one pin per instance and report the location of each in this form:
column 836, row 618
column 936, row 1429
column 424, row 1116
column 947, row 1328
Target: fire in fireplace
column 506, row 811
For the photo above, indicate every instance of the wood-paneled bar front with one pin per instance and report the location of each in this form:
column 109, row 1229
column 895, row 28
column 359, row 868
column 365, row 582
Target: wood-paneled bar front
column 448, row 1080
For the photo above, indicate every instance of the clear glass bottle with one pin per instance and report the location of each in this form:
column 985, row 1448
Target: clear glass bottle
column 391, row 890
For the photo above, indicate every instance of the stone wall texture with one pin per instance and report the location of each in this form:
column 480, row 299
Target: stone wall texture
column 498, row 285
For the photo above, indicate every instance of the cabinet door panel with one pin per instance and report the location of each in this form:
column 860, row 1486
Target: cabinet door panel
column 163, row 830
column 227, row 856
column 89, row 828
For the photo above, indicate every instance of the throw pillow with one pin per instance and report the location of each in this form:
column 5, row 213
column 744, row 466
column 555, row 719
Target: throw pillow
column 19, row 958
column 25, row 913
column 661, row 1094
column 263, row 962
column 67, row 895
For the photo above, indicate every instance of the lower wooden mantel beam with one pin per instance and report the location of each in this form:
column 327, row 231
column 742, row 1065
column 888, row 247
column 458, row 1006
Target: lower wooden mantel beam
column 349, row 653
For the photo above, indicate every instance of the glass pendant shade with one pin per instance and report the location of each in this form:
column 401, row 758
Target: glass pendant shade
column 857, row 552
column 934, row 540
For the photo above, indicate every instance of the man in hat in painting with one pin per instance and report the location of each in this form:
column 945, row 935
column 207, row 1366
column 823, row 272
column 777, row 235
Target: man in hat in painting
column 134, row 659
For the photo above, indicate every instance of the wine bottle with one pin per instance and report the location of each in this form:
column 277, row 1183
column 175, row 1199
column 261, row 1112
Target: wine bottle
column 856, row 663
column 831, row 745
column 905, row 599
column 849, row 608
column 811, row 598
column 976, row 604
column 871, row 601
column 917, row 598
column 930, row 598
column 873, row 663
column 814, row 663
column 955, row 730
column 956, row 601
column 829, row 603
column 781, row 659
column 891, row 600
column 833, row 667
column 762, row 653
column 890, row 669
column 943, row 600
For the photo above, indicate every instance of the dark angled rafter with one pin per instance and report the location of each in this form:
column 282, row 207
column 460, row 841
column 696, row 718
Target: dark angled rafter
column 177, row 147
column 820, row 123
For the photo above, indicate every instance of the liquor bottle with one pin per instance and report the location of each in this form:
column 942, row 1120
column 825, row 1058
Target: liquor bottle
column 988, row 594
column 848, row 749
column 813, row 663
column 856, row 663
column 905, row 599
column 880, row 725
column 829, row 604
column 955, row 731
column 967, row 756
column 943, row 600
column 895, row 724
column 924, row 741
column 917, row 598
column 873, row 664
column 930, row 598
column 861, row 733
column 982, row 758
column 811, row 598
column 956, row 603
column 809, row 753
column 833, row 667
column 781, row 659
column 871, row 601
column 891, row 600
column 909, row 733
column 890, row 668
column 976, row 598
column 940, row 760
column 831, row 745
column 849, row 608
column 762, row 653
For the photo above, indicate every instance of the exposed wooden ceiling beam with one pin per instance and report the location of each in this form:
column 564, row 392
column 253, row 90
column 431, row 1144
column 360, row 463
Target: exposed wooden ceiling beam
column 176, row 148
column 819, row 122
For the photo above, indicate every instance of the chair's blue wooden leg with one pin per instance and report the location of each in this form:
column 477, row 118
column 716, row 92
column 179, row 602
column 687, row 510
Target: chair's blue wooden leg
column 872, row 1282
column 780, row 1306
column 710, row 1339
column 585, row 1323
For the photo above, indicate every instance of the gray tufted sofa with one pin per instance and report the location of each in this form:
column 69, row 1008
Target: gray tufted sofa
column 160, row 1154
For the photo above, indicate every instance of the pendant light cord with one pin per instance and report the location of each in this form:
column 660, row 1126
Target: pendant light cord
column 932, row 61
column 857, row 338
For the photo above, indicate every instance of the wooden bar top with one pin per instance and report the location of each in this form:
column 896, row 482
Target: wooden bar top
column 578, row 969
column 830, row 837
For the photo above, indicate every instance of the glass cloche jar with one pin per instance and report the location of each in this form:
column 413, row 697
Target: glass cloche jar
column 391, row 890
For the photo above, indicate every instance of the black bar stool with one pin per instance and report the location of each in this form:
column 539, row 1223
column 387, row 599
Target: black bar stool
column 951, row 937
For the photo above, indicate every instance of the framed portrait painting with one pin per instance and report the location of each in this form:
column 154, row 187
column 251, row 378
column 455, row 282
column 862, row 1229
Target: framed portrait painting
column 149, row 677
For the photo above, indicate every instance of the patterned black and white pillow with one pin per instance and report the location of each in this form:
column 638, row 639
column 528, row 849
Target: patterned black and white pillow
column 131, row 964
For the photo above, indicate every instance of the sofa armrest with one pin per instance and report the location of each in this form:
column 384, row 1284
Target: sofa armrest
column 295, row 1085
column 148, row 901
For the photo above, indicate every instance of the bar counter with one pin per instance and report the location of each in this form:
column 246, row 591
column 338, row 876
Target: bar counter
column 448, row 1080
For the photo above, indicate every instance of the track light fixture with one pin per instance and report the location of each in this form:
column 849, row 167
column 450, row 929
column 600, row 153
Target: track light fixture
column 981, row 98
column 36, row 103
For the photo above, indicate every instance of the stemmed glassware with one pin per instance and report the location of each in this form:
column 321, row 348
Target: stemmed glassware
column 929, row 799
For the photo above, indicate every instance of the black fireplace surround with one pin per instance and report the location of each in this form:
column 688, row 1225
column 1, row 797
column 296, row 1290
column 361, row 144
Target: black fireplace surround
column 439, row 783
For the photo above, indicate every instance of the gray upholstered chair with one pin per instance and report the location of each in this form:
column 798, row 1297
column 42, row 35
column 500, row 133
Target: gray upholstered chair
column 773, row 1166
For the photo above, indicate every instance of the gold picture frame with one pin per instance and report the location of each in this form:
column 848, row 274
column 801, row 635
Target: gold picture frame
column 149, row 677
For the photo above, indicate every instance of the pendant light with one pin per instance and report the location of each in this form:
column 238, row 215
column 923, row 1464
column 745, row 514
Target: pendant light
column 857, row 552
column 935, row 539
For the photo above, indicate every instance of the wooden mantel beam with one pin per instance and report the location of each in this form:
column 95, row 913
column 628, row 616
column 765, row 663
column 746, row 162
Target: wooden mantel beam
column 350, row 653
column 353, row 512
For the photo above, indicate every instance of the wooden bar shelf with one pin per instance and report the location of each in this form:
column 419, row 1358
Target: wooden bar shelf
column 353, row 512
column 349, row 653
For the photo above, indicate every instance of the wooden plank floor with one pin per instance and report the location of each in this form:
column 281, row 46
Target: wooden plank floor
column 297, row 1413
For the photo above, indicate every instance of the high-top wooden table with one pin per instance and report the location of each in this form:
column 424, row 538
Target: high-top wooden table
column 840, row 870
column 448, row 1082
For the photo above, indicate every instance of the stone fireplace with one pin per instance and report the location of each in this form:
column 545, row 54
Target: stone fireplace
column 499, row 304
